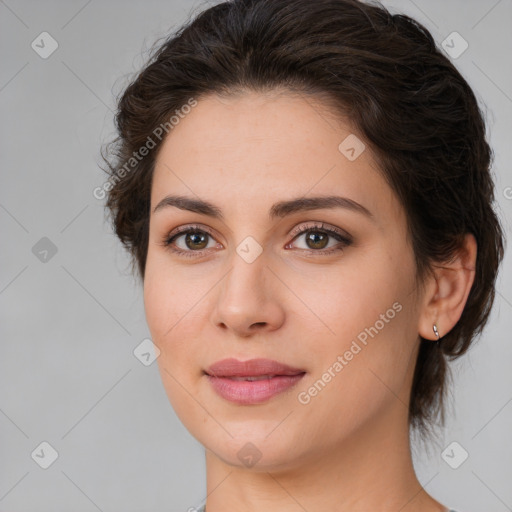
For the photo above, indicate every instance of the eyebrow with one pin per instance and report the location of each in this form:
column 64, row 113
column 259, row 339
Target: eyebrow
column 278, row 210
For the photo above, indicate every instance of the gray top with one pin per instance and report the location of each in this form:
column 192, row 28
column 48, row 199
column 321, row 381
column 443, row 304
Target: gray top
column 202, row 509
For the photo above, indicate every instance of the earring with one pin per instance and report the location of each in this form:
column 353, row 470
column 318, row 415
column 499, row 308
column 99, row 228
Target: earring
column 436, row 332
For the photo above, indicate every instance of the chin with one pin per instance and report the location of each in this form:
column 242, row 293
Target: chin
column 253, row 455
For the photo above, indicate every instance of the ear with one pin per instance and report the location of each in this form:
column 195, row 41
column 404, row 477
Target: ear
column 447, row 291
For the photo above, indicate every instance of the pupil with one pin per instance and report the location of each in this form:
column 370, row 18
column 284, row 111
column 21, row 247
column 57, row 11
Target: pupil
column 196, row 238
column 317, row 238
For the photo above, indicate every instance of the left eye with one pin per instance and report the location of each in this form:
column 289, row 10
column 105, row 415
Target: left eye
column 194, row 239
column 318, row 239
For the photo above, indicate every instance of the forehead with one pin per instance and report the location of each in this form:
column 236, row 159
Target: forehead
column 266, row 147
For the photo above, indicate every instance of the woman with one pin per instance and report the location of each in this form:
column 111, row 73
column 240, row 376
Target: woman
column 305, row 190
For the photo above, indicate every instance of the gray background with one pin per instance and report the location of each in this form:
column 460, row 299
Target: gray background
column 70, row 323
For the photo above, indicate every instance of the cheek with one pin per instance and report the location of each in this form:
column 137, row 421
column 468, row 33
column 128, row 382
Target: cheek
column 360, row 373
column 170, row 320
column 370, row 322
column 165, row 306
column 157, row 305
column 174, row 303
column 164, row 299
column 348, row 299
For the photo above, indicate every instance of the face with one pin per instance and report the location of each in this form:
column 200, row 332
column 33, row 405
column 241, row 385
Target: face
column 273, row 272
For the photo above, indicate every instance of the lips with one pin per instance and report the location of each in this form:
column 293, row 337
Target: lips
column 251, row 382
column 261, row 368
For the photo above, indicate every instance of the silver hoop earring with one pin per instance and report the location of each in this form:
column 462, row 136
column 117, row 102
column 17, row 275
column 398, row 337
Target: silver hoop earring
column 436, row 332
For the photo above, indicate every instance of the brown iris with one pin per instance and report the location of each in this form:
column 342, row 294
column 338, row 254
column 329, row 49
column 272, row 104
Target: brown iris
column 196, row 240
column 317, row 239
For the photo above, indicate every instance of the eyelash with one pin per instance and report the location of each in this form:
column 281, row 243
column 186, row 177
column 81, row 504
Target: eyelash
column 317, row 228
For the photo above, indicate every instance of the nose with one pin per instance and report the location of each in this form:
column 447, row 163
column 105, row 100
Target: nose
column 249, row 299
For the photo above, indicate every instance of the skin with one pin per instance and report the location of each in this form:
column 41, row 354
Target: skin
column 347, row 449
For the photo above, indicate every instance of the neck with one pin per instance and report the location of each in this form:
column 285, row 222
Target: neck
column 371, row 470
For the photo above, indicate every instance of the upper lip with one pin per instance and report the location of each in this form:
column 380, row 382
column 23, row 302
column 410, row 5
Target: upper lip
column 251, row 368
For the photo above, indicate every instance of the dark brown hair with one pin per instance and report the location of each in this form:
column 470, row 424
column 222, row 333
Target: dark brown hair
column 384, row 72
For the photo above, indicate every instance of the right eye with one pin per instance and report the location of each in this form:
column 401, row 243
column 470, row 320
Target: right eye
column 192, row 241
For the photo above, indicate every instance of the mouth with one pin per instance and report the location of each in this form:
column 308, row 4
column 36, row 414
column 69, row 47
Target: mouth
column 260, row 368
column 251, row 382
column 253, row 378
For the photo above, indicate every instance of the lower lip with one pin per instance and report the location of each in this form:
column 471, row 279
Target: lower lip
column 252, row 392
